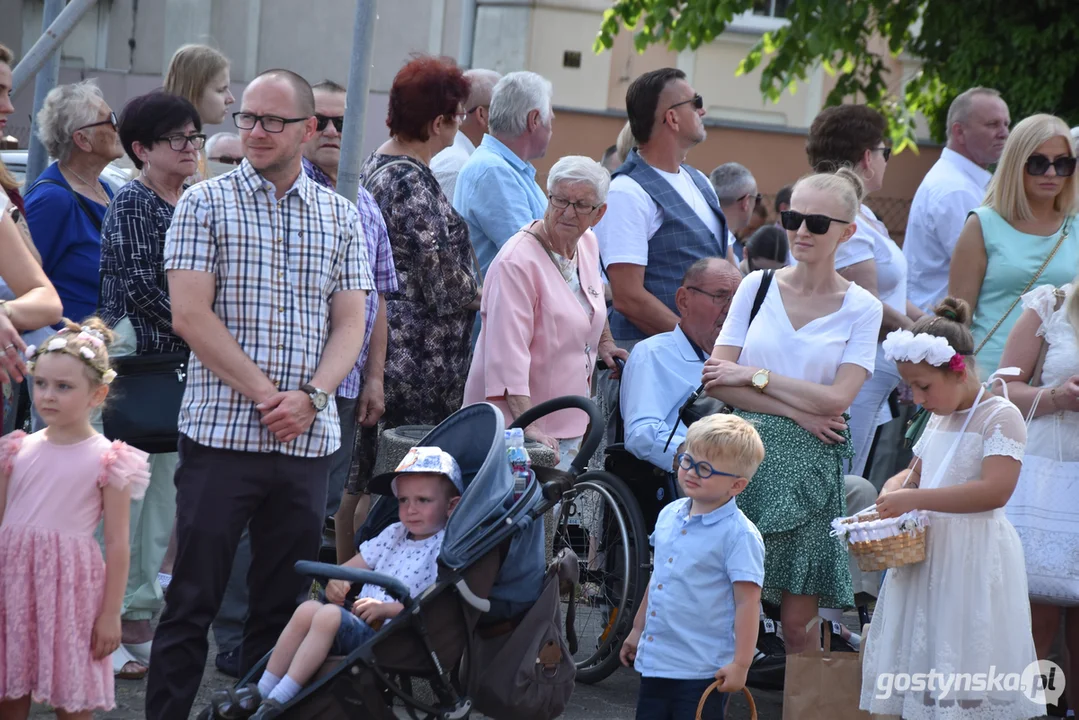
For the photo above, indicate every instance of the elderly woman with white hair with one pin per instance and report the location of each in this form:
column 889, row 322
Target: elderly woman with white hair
column 543, row 314
column 66, row 205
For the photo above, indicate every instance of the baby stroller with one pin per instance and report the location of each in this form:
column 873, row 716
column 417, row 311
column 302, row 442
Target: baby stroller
column 492, row 543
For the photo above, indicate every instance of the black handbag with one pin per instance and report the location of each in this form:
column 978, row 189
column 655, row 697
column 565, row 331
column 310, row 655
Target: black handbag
column 143, row 408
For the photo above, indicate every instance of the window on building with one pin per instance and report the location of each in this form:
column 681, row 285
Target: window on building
column 771, row 8
column 766, row 15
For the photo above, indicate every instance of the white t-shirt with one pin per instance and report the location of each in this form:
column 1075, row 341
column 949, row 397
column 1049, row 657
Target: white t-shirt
column 633, row 217
column 814, row 352
column 393, row 553
column 447, row 164
column 872, row 242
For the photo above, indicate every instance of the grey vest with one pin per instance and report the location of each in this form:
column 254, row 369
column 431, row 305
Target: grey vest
column 681, row 240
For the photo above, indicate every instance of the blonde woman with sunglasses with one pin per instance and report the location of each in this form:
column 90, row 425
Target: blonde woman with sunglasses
column 1022, row 237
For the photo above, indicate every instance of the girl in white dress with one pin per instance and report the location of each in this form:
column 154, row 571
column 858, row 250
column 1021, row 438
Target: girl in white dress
column 1045, row 505
column 964, row 608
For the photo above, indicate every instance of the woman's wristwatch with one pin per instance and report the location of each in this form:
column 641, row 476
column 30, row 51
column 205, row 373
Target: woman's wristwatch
column 760, row 379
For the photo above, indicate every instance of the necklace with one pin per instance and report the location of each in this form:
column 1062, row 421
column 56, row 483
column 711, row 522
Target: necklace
column 94, row 186
column 156, row 190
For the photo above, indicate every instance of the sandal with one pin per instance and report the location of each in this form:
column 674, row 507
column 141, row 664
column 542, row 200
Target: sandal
column 126, row 666
column 236, row 703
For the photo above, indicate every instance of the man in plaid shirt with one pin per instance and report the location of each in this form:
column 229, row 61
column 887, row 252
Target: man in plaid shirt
column 268, row 278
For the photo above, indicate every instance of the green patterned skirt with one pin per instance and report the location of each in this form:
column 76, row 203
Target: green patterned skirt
column 792, row 499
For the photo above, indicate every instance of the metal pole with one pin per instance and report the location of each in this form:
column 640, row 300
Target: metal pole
column 468, row 32
column 49, row 42
column 359, row 80
column 46, row 80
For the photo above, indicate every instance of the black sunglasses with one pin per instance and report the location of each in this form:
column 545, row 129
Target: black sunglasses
column 322, row 120
column 227, row 159
column 885, row 151
column 816, row 224
column 697, row 100
column 1038, row 164
column 111, row 120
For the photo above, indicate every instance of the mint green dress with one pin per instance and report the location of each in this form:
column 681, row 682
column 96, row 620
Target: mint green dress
column 1013, row 258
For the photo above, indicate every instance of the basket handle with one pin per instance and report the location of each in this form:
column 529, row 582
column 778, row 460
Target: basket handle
column 714, row 687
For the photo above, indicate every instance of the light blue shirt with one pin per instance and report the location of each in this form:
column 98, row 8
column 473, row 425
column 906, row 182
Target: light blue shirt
column 497, row 195
column 689, row 622
column 661, row 373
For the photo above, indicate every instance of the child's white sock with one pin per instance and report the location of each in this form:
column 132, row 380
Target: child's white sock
column 285, row 690
column 267, row 683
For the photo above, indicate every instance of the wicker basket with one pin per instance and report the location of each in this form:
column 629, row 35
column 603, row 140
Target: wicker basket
column 903, row 548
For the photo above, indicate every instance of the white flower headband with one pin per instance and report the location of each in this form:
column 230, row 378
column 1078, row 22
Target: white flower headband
column 905, row 346
column 88, row 335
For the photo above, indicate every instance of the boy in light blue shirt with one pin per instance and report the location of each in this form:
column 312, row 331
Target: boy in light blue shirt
column 699, row 617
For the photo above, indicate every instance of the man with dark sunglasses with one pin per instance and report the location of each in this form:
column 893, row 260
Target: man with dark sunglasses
column 225, row 148
column 738, row 196
column 447, row 164
column 322, row 153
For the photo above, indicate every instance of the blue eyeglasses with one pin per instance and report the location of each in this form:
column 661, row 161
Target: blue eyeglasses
column 702, row 469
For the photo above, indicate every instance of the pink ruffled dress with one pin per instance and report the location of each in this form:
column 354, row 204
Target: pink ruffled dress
column 52, row 573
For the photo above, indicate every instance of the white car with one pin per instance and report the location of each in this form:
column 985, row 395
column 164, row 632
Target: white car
column 113, row 175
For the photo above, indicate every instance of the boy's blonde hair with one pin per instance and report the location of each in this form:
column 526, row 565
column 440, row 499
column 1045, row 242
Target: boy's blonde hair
column 729, row 443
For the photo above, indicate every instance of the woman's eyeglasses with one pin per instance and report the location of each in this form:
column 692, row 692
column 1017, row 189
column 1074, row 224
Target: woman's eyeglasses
column 816, row 224
column 885, row 151
column 1038, row 164
column 270, row 123
column 321, row 121
column 702, row 469
column 180, row 142
column 110, row 120
column 582, row 207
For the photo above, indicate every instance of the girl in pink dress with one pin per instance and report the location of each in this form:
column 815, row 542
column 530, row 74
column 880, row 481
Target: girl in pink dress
column 59, row 601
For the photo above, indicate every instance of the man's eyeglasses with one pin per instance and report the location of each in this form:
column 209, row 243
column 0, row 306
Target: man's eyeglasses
column 582, row 207
column 270, row 123
column 885, row 151
column 697, row 100
column 721, row 298
column 702, row 469
column 321, row 121
column 1038, row 164
column 180, row 142
column 469, row 112
column 110, row 120
column 227, row 159
column 756, row 201
column 816, row 224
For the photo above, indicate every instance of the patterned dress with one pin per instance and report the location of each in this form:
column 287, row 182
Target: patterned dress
column 430, row 331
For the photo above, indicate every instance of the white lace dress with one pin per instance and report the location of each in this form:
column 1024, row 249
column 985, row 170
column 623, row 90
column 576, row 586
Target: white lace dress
column 964, row 609
column 1045, row 505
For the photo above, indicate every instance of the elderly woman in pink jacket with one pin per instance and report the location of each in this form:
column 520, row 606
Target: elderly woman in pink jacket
column 544, row 319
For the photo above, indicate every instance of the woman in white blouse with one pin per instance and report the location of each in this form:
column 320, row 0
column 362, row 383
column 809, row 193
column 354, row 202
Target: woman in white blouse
column 793, row 372
column 852, row 136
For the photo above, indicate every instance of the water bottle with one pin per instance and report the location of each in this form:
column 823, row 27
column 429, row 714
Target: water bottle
column 520, row 463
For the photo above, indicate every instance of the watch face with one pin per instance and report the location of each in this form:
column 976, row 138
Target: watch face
column 320, row 400
column 760, row 378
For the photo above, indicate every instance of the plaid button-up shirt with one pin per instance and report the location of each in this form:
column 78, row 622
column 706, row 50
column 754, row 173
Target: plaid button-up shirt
column 380, row 258
column 277, row 264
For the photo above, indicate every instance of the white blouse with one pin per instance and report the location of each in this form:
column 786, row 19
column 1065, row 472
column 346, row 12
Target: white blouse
column 813, row 352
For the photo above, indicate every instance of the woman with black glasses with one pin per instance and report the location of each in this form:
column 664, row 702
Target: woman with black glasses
column 1023, row 237
column 162, row 134
column 793, row 371
column 852, row 136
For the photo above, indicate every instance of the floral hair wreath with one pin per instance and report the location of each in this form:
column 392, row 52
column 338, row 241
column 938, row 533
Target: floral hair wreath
column 905, row 346
column 87, row 355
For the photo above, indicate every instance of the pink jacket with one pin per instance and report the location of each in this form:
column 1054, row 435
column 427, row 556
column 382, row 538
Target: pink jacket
column 536, row 339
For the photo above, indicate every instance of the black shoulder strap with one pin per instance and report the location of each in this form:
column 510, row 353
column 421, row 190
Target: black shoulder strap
column 78, row 198
column 762, row 292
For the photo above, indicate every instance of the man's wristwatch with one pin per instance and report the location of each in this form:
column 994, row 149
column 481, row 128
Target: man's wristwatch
column 319, row 398
column 759, row 381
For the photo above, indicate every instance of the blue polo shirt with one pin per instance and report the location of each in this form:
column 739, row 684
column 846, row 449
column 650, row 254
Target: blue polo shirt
column 689, row 623
column 497, row 195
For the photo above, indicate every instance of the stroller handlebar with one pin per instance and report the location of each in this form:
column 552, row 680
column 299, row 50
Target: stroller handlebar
column 596, row 424
column 394, row 587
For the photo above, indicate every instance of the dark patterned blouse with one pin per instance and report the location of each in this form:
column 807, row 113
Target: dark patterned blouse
column 430, row 331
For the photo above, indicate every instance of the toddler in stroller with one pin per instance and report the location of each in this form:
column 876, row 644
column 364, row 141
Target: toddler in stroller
column 427, row 486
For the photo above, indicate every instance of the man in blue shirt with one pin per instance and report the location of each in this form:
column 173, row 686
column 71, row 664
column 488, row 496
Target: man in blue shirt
column 664, row 369
column 496, row 190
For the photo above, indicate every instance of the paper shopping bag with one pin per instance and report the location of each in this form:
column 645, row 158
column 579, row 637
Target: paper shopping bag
column 821, row 683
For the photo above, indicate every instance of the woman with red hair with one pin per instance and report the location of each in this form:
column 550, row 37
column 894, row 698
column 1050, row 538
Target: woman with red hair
column 430, row 316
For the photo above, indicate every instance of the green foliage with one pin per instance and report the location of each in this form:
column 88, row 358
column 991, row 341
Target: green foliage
column 1023, row 49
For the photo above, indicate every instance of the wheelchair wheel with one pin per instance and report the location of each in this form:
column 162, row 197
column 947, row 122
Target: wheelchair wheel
column 600, row 520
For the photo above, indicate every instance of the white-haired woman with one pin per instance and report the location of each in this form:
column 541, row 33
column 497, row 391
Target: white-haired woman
column 1024, row 236
column 543, row 314
column 66, row 205
column 793, row 372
